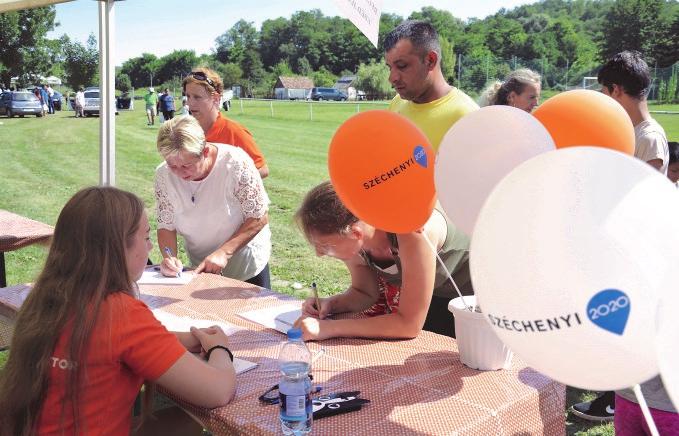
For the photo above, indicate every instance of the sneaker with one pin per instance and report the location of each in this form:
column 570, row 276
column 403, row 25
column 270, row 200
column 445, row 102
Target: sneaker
column 600, row 409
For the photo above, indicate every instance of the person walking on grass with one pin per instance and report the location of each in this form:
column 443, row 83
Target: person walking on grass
column 167, row 104
column 151, row 100
column 80, row 103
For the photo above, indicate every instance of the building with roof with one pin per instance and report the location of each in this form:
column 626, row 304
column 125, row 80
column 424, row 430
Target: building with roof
column 292, row 88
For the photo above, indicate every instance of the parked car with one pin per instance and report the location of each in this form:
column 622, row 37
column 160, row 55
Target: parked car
column 93, row 102
column 20, row 103
column 319, row 94
column 56, row 100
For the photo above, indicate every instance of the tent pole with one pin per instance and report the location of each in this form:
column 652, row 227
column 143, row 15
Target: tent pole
column 107, row 141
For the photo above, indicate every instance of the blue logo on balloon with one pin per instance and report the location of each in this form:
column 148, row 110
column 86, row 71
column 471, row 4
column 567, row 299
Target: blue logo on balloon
column 609, row 309
column 420, row 155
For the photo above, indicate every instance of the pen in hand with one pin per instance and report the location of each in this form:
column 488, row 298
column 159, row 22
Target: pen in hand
column 317, row 302
column 168, row 251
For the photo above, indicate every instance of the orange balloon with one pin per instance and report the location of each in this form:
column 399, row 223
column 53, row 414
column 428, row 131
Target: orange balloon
column 585, row 117
column 382, row 168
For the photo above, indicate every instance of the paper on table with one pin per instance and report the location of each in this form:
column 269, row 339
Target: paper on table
column 176, row 323
column 153, row 277
column 14, row 296
column 280, row 318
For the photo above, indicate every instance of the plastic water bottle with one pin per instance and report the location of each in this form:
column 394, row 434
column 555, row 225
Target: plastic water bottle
column 294, row 388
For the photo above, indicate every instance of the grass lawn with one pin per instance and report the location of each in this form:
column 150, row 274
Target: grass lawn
column 46, row 160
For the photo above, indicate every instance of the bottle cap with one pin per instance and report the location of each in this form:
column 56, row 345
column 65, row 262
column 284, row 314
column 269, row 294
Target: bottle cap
column 295, row 333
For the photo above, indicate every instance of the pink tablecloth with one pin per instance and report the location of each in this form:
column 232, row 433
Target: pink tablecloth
column 415, row 386
column 17, row 231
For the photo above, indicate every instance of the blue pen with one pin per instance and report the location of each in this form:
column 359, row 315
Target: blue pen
column 169, row 253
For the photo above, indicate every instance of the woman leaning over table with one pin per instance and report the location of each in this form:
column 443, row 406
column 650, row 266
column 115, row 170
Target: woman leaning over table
column 83, row 343
column 395, row 278
column 212, row 195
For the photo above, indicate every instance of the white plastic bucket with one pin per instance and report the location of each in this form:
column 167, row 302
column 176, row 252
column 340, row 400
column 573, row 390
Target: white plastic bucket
column 477, row 343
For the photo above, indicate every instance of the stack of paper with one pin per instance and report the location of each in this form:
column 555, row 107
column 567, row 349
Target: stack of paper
column 280, row 318
column 152, row 276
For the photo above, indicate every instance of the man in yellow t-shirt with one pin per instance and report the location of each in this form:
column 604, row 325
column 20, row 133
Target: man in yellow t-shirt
column 413, row 55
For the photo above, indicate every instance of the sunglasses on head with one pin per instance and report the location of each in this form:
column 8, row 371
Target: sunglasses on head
column 199, row 75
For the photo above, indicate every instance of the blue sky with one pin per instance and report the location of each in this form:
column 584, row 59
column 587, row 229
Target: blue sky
column 162, row 26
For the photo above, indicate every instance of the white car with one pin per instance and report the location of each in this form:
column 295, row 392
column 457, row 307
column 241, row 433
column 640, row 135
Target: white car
column 93, row 102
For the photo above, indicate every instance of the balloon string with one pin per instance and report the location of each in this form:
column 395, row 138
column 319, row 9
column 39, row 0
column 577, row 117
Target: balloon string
column 469, row 308
column 644, row 409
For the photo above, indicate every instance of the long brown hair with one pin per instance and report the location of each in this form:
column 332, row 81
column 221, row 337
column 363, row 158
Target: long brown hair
column 86, row 263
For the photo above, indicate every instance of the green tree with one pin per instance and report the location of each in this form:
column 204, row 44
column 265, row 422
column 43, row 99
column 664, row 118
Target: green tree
column 282, row 68
column 23, row 43
column 231, row 74
column 373, row 78
column 140, row 69
column 642, row 25
column 447, row 26
column 323, row 77
column 232, row 45
column 304, row 67
column 123, row 83
column 175, row 65
column 81, row 62
column 273, row 35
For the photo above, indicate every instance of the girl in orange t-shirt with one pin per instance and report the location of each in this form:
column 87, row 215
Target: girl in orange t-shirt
column 83, row 344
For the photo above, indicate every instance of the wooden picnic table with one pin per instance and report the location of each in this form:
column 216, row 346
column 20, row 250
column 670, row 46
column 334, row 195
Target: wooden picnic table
column 17, row 232
column 416, row 386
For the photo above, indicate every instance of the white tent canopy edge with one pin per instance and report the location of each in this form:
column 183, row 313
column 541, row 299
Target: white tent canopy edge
column 107, row 126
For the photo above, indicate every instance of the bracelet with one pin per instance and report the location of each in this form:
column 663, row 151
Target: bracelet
column 221, row 347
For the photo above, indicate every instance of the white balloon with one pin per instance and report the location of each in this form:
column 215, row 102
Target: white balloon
column 477, row 152
column 569, row 256
column 667, row 343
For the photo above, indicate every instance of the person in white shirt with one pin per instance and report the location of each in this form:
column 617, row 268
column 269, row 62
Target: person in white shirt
column 627, row 79
column 213, row 196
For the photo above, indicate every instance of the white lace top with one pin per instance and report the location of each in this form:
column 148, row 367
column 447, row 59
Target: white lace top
column 231, row 193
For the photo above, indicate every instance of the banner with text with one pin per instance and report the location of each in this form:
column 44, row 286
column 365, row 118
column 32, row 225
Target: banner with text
column 365, row 14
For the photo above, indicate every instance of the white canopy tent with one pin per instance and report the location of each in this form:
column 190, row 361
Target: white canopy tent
column 107, row 126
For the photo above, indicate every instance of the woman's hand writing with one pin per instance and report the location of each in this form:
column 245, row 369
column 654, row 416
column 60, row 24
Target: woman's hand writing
column 171, row 267
column 309, row 308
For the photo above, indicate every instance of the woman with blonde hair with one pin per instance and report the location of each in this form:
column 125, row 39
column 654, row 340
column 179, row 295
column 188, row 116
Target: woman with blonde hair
column 212, row 195
column 203, row 89
column 521, row 89
column 83, row 343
